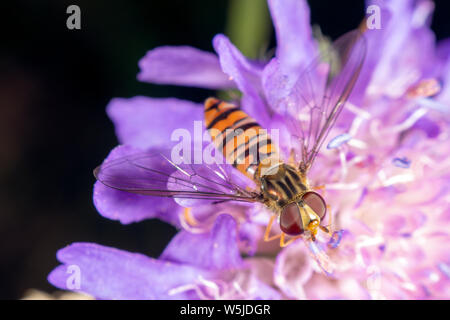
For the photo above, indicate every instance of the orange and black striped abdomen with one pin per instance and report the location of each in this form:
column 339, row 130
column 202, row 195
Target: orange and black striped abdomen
column 238, row 136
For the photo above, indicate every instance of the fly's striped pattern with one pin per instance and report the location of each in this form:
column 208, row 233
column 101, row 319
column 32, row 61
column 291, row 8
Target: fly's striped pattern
column 283, row 183
column 239, row 137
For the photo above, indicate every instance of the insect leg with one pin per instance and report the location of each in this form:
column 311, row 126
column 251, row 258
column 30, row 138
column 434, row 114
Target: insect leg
column 327, row 229
column 268, row 228
column 285, row 244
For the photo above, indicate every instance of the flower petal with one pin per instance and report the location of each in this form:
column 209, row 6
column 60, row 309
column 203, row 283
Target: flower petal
column 246, row 75
column 276, row 84
column 215, row 250
column 430, row 127
column 183, row 65
column 109, row 273
column 408, row 47
column 138, row 120
column 256, row 281
column 319, row 287
column 250, row 234
column 295, row 44
column 292, row 269
column 443, row 52
column 129, row 207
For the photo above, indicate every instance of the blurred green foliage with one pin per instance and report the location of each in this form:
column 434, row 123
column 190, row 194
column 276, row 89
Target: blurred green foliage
column 249, row 26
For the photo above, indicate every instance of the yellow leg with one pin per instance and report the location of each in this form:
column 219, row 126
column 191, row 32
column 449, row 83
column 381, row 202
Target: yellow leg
column 282, row 235
column 327, row 229
column 268, row 228
column 322, row 187
column 331, row 217
column 285, row 244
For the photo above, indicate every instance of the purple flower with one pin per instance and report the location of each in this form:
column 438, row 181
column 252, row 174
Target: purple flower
column 387, row 181
column 193, row 266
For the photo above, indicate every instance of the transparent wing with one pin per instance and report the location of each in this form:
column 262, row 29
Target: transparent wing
column 155, row 174
column 318, row 253
column 318, row 250
column 320, row 93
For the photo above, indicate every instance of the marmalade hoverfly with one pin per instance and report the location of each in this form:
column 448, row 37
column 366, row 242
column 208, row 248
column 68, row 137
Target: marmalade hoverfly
column 312, row 107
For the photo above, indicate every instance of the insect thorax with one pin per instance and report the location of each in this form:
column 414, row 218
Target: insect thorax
column 282, row 184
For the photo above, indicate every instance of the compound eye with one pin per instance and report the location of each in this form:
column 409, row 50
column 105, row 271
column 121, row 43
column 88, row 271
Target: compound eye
column 315, row 202
column 291, row 220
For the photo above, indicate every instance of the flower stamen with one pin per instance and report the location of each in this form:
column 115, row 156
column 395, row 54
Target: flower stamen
column 189, row 223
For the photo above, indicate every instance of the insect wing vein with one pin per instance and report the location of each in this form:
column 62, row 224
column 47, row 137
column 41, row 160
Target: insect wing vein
column 152, row 173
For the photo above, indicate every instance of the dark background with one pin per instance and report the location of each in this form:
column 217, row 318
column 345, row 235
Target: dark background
column 54, row 86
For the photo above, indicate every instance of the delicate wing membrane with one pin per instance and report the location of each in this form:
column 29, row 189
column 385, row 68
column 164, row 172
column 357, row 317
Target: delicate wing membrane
column 155, row 174
column 320, row 93
column 318, row 253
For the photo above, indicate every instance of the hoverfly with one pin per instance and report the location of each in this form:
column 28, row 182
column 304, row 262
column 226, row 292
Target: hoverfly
column 311, row 109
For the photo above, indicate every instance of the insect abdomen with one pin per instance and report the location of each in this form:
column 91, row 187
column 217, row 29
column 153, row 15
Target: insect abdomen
column 238, row 136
